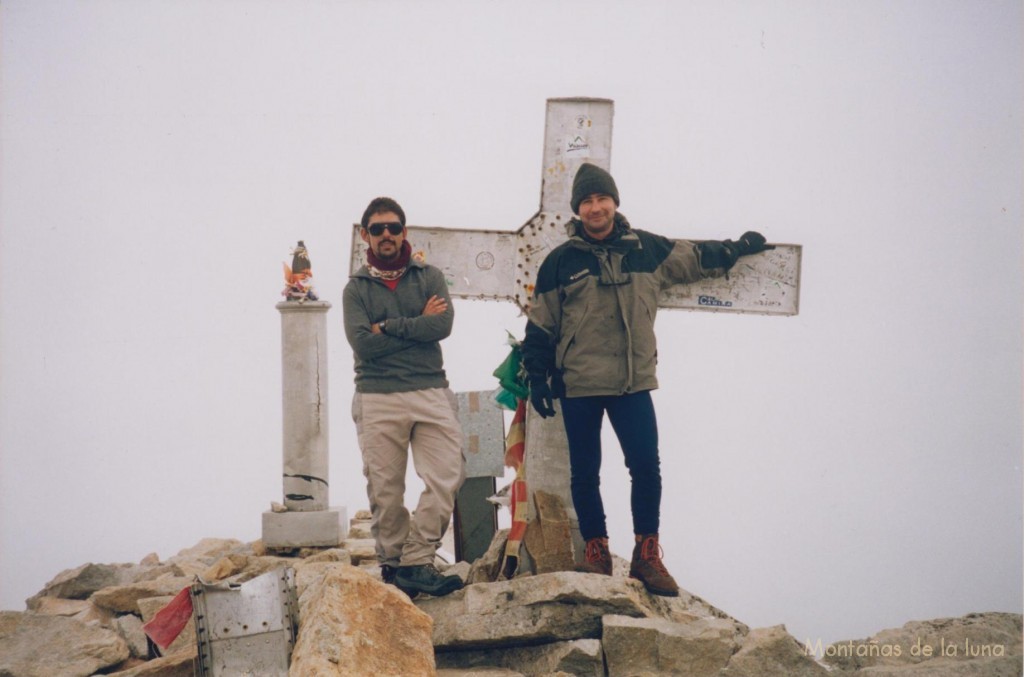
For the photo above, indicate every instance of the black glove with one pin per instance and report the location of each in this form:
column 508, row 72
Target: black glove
column 714, row 254
column 752, row 242
column 540, row 398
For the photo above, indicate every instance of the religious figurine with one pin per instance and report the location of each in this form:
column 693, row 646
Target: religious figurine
column 299, row 278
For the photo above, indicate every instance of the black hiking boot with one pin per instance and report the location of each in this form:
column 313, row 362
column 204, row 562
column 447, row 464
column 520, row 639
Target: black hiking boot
column 427, row 579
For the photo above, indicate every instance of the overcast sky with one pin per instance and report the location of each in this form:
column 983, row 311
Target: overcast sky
column 842, row 471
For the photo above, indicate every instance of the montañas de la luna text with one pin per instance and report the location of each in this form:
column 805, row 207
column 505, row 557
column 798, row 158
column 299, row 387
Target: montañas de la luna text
column 876, row 649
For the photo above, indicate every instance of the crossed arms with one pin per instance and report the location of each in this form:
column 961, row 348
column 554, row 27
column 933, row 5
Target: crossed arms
column 434, row 322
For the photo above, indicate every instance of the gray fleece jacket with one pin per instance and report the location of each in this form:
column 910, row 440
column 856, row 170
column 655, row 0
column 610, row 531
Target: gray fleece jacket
column 408, row 357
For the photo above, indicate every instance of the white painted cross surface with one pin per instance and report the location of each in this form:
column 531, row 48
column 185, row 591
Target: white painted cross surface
column 502, row 265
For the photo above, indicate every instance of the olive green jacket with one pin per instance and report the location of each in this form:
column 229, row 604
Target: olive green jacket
column 591, row 319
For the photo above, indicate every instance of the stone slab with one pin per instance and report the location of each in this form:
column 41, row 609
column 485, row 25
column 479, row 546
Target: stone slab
column 304, row 529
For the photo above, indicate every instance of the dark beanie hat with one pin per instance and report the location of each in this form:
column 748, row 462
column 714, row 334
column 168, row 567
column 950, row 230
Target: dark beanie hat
column 592, row 179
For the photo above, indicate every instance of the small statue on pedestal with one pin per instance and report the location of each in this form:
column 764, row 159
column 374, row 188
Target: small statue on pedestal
column 299, row 278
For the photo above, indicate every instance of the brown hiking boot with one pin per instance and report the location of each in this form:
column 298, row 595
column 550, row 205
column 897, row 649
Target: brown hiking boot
column 598, row 557
column 648, row 568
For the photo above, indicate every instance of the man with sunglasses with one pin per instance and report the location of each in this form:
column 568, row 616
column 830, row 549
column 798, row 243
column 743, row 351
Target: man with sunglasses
column 397, row 310
column 590, row 342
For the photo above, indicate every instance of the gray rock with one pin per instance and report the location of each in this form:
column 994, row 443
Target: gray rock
column 124, row 599
column 1009, row 666
column 655, row 646
column 58, row 606
column 210, row 550
column 129, row 627
column 575, row 657
column 772, row 652
column 548, row 536
column 180, row 664
column 361, row 550
column 547, row 608
column 487, row 567
column 479, row 672
column 38, row 645
column 352, row 624
column 967, row 638
column 80, row 582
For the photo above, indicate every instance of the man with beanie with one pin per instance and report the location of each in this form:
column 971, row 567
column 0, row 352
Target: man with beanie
column 397, row 310
column 590, row 343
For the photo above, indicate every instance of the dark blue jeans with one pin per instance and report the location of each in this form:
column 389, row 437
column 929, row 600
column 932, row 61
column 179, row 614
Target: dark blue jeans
column 632, row 417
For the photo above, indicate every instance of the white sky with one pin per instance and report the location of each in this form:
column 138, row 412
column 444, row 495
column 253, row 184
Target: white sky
column 843, row 471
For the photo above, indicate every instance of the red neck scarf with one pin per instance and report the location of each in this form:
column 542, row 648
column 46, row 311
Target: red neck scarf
column 391, row 269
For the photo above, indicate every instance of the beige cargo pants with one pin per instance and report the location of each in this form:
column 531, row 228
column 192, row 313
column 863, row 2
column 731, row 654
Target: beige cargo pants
column 387, row 425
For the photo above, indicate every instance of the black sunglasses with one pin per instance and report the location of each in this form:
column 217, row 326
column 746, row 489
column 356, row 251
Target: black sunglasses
column 377, row 229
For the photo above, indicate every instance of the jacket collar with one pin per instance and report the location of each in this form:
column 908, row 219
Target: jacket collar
column 414, row 262
column 622, row 237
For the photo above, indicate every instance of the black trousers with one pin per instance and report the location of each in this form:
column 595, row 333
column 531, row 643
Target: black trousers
column 633, row 419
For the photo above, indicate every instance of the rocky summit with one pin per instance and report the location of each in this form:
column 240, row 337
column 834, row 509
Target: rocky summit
column 88, row 621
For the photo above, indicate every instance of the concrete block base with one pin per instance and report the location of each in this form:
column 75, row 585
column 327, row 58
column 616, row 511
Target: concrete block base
column 316, row 528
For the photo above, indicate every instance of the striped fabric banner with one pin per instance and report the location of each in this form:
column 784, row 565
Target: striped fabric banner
column 515, row 457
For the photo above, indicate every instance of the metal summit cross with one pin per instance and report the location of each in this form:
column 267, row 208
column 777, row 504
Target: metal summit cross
column 502, row 266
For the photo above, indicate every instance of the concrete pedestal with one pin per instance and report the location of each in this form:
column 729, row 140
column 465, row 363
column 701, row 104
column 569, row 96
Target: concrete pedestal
column 320, row 528
column 308, row 520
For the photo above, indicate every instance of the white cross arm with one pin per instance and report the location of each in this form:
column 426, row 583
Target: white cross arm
column 502, row 265
column 497, row 265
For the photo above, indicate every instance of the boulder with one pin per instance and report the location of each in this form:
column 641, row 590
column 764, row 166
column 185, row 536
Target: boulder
column 974, row 637
column 124, row 598
column 209, row 549
column 484, row 672
column 330, row 555
column 361, row 550
column 38, row 645
column 360, row 527
column 657, row 646
column 129, row 627
column 772, row 651
column 487, row 567
column 547, row 608
column 95, row 615
column 548, row 536
column 58, row 606
column 352, row 624
column 1007, row 666
column 575, row 657
column 180, row 664
column 225, row 567
column 79, row 583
